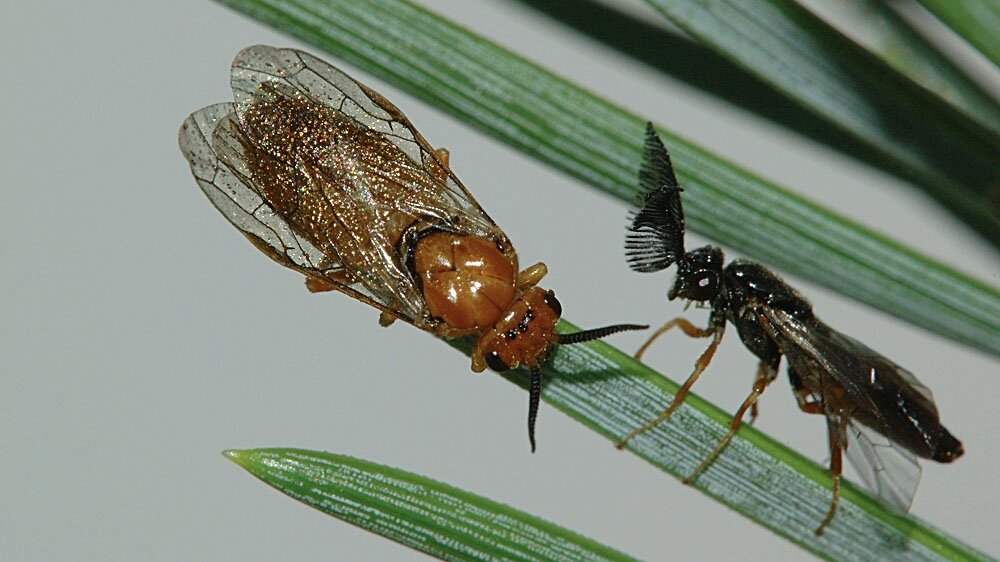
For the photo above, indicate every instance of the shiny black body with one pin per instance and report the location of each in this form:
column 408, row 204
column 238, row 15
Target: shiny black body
column 891, row 404
column 862, row 394
column 745, row 282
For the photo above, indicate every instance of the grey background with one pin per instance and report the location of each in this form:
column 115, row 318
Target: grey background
column 141, row 334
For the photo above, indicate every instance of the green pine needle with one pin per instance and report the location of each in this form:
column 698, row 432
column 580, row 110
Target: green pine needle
column 435, row 518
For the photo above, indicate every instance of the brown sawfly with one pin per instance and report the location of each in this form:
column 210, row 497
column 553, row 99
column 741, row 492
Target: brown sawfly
column 328, row 178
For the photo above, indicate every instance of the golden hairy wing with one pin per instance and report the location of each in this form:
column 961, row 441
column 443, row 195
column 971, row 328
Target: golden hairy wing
column 327, row 177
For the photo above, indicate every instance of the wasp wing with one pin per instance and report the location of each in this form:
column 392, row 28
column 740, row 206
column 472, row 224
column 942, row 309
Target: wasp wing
column 655, row 236
column 892, row 417
column 338, row 172
column 888, row 470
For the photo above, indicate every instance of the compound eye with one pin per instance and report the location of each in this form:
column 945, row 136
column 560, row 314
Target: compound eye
column 495, row 363
column 553, row 302
column 704, row 287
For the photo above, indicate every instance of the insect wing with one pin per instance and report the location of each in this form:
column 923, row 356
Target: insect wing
column 655, row 236
column 292, row 72
column 324, row 175
column 888, row 470
column 237, row 201
column 892, row 416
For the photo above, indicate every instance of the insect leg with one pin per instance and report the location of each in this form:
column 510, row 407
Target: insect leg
column 836, row 430
column 754, row 410
column 765, row 374
column 332, row 282
column 442, row 155
column 439, row 168
column 687, row 327
column 801, row 395
column 335, row 281
column 319, row 286
column 699, row 367
column 386, row 319
column 837, row 433
column 530, row 276
column 765, row 371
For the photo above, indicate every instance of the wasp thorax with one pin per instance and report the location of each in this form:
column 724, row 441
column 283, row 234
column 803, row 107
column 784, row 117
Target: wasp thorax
column 523, row 336
column 467, row 282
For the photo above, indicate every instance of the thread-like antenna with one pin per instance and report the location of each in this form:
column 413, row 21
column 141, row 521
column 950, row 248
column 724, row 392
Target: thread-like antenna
column 534, row 396
column 597, row 333
column 535, row 385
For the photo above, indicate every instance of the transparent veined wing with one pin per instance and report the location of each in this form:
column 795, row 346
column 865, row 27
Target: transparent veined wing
column 291, row 72
column 239, row 202
column 889, row 471
column 327, row 177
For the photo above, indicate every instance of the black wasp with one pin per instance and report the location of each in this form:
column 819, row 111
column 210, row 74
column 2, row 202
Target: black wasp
column 875, row 410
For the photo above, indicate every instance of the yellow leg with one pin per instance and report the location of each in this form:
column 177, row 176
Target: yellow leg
column 682, row 323
column 836, row 466
column 442, row 155
column 764, row 372
column 699, row 367
column 331, row 282
column 319, row 286
column 439, row 168
column 385, row 319
column 530, row 276
column 835, row 431
column 760, row 383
